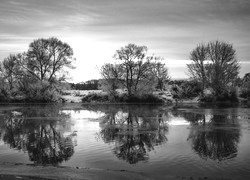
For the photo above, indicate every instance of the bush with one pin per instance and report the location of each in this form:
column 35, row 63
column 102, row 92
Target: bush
column 186, row 89
column 208, row 98
column 227, row 96
column 245, row 93
column 93, row 97
column 123, row 98
column 4, row 95
column 190, row 89
column 40, row 92
column 230, row 96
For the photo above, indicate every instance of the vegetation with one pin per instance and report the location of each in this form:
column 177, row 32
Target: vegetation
column 36, row 75
column 215, row 66
column 88, row 85
column 186, row 89
column 135, row 72
column 40, row 74
column 245, row 90
column 121, row 98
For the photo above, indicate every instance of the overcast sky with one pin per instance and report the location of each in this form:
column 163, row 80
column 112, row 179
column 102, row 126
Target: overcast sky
column 96, row 28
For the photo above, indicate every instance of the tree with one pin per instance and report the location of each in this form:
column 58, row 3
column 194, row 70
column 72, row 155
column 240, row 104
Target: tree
column 245, row 87
column 197, row 69
column 135, row 68
column 224, row 67
column 215, row 66
column 160, row 72
column 47, row 58
column 110, row 74
column 10, row 70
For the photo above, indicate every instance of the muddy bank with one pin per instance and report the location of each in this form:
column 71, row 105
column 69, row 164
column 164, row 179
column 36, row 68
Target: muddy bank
column 9, row 171
column 23, row 171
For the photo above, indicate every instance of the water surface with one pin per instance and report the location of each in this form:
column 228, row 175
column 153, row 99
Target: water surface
column 158, row 141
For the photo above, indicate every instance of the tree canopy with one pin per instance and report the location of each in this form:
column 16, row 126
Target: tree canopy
column 134, row 70
column 36, row 73
column 215, row 65
column 47, row 57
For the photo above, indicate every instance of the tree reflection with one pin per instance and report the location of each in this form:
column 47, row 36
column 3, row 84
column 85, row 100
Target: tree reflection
column 215, row 135
column 135, row 131
column 39, row 132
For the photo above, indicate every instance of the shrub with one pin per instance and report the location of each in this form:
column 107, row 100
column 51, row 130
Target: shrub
column 230, row 96
column 4, row 95
column 191, row 89
column 186, row 89
column 40, row 92
column 122, row 98
column 245, row 93
column 245, row 89
column 93, row 97
column 208, row 98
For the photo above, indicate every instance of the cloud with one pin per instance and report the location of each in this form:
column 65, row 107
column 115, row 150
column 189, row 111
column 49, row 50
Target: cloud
column 169, row 28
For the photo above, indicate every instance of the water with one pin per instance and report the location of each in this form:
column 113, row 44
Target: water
column 157, row 141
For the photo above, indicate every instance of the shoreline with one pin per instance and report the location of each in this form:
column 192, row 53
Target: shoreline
column 11, row 171
column 75, row 97
column 28, row 171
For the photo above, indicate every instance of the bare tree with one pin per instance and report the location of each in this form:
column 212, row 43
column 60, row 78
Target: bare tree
column 246, row 78
column 245, row 86
column 160, row 72
column 46, row 58
column 224, row 67
column 110, row 74
column 215, row 65
column 197, row 69
column 134, row 67
column 10, row 70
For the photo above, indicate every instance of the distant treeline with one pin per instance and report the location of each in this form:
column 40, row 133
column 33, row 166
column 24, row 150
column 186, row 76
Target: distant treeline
column 88, row 85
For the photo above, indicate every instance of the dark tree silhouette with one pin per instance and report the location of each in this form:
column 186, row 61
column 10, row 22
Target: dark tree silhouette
column 47, row 57
column 215, row 65
column 197, row 69
column 160, row 72
column 10, row 70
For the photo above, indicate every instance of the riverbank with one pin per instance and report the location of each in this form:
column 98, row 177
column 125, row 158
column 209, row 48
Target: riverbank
column 22, row 171
column 76, row 96
column 98, row 96
column 30, row 172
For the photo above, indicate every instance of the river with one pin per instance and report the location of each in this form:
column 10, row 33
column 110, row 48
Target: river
column 158, row 141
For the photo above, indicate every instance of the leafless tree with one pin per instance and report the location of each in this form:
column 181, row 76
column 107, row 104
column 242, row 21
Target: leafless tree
column 46, row 58
column 197, row 69
column 134, row 68
column 11, row 70
column 215, row 65
column 160, row 72
column 110, row 74
column 224, row 67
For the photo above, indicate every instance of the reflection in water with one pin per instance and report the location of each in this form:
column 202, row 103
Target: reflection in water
column 215, row 135
column 134, row 130
column 39, row 132
column 186, row 141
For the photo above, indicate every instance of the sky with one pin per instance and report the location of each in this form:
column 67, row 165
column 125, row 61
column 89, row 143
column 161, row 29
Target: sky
column 95, row 29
